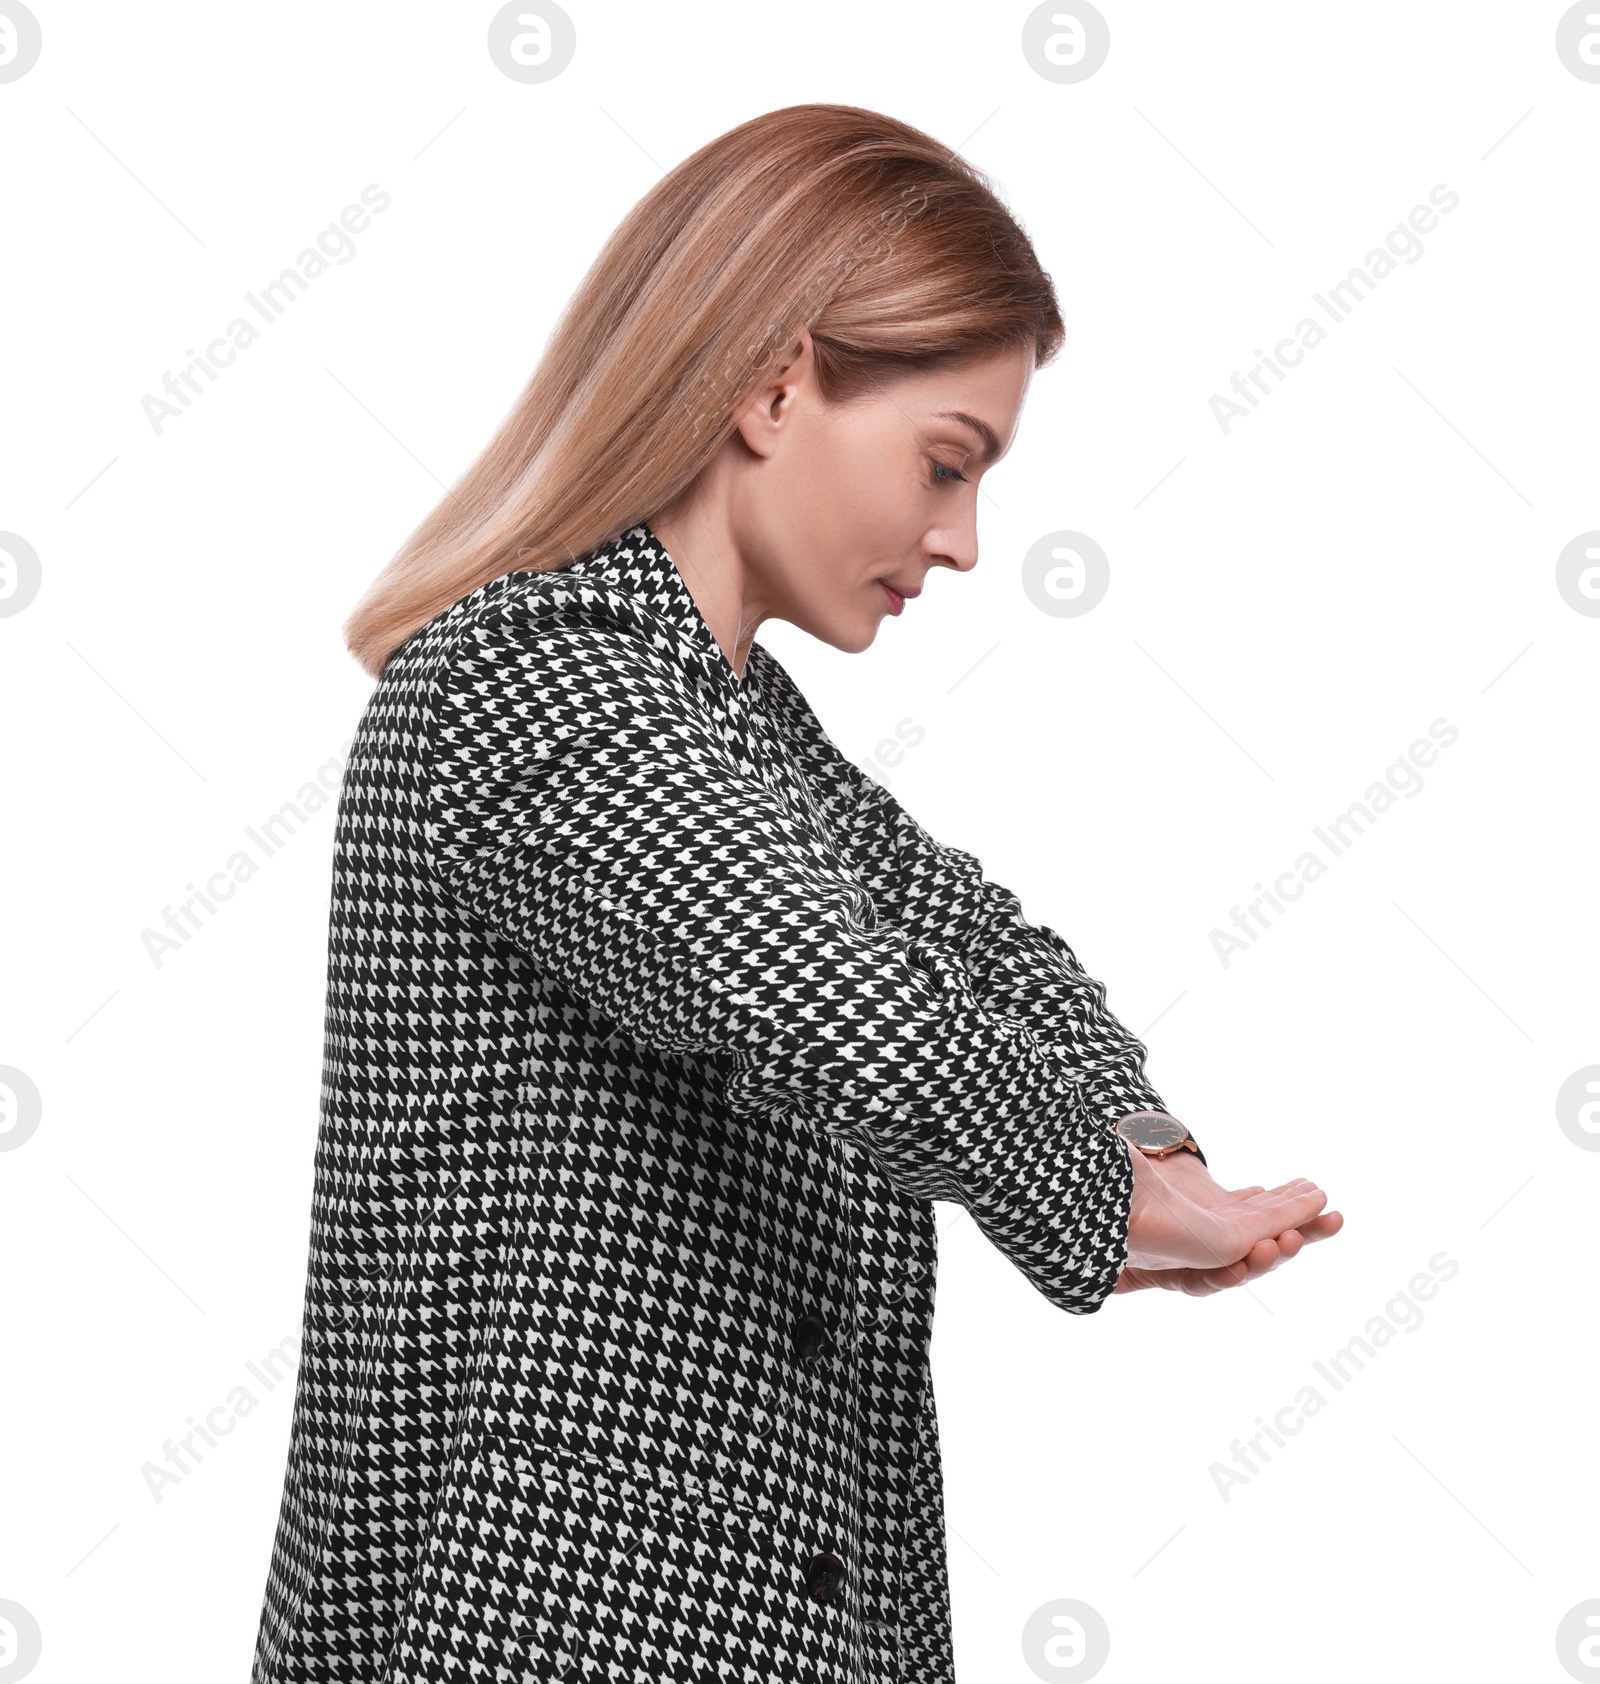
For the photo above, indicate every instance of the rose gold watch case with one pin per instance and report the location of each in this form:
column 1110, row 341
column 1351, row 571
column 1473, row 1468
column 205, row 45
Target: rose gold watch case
column 1153, row 1125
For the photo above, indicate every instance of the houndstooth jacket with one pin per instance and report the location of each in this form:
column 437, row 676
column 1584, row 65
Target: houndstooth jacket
column 654, row 1029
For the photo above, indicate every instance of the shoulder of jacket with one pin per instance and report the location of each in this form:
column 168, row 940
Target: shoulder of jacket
column 512, row 614
column 526, row 600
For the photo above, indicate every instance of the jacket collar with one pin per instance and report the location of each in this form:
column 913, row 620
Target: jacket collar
column 636, row 562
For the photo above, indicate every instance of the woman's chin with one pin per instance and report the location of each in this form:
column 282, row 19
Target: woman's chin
column 849, row 637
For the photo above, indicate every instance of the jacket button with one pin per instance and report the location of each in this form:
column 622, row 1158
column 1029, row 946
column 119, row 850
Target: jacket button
column 811, row 1338
column 824, row 1578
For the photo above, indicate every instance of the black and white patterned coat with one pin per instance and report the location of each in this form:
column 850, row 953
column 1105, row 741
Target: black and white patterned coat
column 654, row 1027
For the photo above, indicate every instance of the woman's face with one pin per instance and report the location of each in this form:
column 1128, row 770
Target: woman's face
column 838, row 513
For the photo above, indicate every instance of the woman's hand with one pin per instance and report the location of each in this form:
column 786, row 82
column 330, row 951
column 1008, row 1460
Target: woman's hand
column 1188, row 1234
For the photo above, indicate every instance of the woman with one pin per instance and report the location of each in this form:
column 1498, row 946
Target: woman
column 654, row 1025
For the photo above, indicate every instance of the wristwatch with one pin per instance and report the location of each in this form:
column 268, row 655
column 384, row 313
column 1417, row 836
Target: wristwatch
column 1157, row 1134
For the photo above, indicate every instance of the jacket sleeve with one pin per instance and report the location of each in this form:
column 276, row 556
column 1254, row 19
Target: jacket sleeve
column 938, row 893
column 583, row 802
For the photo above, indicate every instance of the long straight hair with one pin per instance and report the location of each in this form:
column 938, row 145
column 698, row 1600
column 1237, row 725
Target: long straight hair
column 892, row 249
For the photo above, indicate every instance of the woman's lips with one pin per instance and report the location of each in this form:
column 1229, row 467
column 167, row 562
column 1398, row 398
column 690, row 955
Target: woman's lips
column 896, row 601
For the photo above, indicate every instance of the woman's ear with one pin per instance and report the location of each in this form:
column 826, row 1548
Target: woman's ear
column 767, row 410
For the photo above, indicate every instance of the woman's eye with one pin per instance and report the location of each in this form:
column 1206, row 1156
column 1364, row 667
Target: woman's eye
column 943, row 474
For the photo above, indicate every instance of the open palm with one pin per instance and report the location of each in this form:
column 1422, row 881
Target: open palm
column 1186, row 1233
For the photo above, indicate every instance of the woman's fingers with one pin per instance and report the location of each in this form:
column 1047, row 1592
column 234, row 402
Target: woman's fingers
column 1286, row 1189
column 1267, row 1254
column 1242, row 1231
column 1261, row 1259
column 1207, row 1281
column 1288, row 1243
column 1321, row 1227
column 1178, row 1223
column 1289, row 1208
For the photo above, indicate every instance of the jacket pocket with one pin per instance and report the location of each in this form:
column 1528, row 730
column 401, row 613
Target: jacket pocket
column 686, row 1583
column 626, row 1492
column 497, row 1583
column 546, row 1565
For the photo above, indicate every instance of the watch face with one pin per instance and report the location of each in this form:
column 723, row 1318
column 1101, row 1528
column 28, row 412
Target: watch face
column 1151, row 1131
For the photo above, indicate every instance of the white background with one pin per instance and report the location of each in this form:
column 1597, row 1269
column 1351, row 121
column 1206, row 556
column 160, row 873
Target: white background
column 1291, row 604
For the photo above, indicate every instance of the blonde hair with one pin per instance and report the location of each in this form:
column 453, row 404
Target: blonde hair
column 890, row 248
